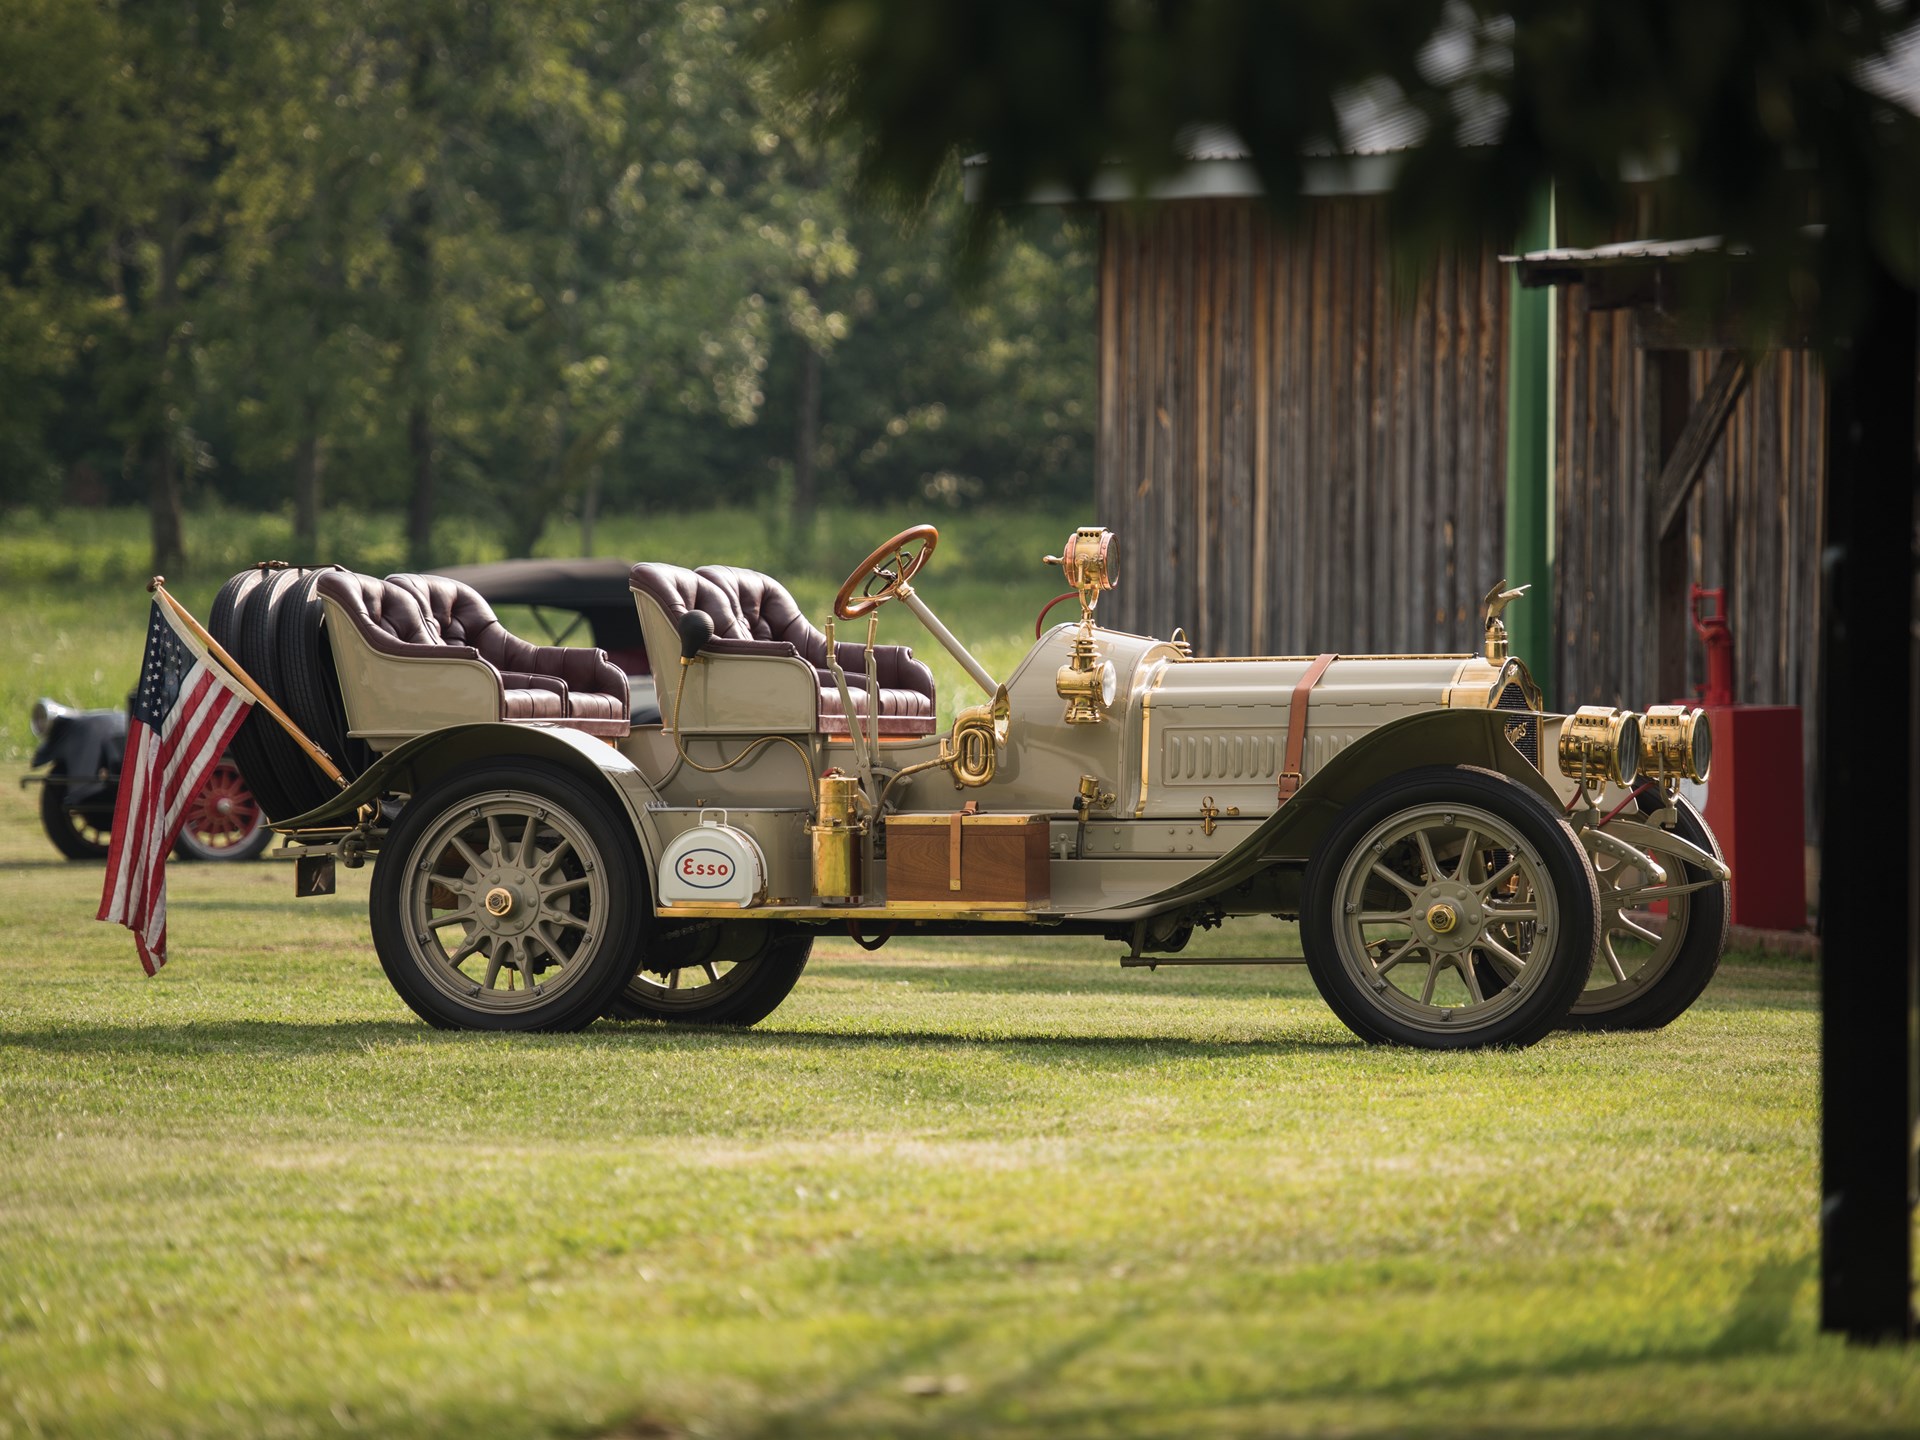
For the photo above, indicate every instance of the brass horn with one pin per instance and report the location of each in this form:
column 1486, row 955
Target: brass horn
column 973, row 750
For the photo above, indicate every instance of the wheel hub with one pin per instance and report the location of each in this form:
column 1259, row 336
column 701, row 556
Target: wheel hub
column 1449, row 916
column 511, row 901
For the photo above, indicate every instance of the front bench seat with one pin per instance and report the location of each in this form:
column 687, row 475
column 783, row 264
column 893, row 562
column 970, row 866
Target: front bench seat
column 753, row 614
column 769, row 612
column 395, row 620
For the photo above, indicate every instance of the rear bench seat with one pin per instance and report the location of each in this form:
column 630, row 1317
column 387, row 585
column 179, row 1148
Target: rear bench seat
column 432, row 618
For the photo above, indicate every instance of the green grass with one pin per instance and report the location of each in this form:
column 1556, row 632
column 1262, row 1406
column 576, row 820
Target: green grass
column 253, row 1196
column 952, row 1188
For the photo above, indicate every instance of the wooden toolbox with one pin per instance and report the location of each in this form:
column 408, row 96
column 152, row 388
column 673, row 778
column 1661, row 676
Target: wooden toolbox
column 968, row 861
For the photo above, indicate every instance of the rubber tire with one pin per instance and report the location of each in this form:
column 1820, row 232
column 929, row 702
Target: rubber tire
column 227, row 623
column 1694, row 964
column 1567, row 871
column 298, row 783
column 58, row 823
column 309, row 685
column 187, row 848
column 776, row 970
column 628, row 914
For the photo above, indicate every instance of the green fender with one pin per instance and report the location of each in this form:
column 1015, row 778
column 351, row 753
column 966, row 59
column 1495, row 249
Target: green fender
column 1295, row 830
column 424, row 760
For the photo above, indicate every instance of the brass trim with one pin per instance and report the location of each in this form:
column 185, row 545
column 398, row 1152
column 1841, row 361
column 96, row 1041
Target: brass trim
column 1308, row 659
column 1146, row 745
column 945, row 817
column 919, row 910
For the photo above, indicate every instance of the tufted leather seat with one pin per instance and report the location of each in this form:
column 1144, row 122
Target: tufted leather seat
column 426, row 617
column 753, row 614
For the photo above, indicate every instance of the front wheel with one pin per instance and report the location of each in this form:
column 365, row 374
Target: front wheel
column 79, row 832
column 1450, row 909
column 1648, row 973
column 715, row 972
column 511, row 898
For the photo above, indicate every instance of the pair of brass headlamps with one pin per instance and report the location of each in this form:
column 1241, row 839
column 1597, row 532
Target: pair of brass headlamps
column 1602, row 746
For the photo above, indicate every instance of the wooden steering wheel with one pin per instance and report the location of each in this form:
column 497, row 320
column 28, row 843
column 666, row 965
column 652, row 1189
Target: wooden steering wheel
column 848, row 606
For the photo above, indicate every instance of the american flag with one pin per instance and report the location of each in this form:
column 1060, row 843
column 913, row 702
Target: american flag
column 180, row 720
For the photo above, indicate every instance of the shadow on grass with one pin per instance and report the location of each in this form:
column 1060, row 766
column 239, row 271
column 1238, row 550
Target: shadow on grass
column 1757, row 1325
column 282, row 1037
column 1092, row 972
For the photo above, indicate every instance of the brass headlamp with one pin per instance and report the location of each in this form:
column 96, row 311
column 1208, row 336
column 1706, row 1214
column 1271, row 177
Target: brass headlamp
column 1600, row 746
column 1087, row 682
column 1676, row 743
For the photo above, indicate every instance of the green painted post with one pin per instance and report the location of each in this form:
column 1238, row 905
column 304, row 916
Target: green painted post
column 1529, row 539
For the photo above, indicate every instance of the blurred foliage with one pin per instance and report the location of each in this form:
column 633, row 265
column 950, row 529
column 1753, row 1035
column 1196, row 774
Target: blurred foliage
column 493, row 261
column 1748, row 118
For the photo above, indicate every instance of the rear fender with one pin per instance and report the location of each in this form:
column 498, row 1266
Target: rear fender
column 424, row 761
column 1296, row 829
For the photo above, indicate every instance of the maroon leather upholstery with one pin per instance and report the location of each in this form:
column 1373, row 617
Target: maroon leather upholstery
column 753, row 614
column 573, row 683
column 395, row 617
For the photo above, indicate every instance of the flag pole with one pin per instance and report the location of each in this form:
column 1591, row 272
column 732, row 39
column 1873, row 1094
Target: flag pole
column 158, row 587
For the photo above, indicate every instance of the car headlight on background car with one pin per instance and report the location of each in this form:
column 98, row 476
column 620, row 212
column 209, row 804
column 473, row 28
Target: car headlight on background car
column 1676, row 743
column 1600, row 746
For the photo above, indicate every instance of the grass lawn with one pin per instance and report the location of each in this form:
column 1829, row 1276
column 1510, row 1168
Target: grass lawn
column 951, row 1188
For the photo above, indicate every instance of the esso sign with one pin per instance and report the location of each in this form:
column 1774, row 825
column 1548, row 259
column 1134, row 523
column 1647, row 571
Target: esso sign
column 706, row 869
column 713, row 864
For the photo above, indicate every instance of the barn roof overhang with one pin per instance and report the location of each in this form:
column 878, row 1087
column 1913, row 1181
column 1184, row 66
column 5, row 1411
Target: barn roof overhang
column 1700, row 293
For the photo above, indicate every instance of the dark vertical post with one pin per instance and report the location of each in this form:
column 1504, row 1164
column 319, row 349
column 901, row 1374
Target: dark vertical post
column 1870, row 967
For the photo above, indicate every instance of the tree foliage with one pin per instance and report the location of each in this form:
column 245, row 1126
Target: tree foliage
column 1748, row 118
column 527, row 258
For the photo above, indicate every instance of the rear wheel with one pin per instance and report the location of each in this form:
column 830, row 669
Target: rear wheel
column 715, row 972
column 1450, row 909
column 223, row 820
column 511, row 898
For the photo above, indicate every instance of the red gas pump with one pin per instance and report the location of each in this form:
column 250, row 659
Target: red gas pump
column 1756, row 791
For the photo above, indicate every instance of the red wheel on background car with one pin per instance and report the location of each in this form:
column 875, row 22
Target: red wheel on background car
column 224, row 820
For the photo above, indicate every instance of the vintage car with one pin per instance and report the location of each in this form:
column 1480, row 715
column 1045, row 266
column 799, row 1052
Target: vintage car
column 1466, row 869
column 82, row 751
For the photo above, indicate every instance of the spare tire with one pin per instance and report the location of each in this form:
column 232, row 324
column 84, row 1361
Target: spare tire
column 304, row 658
column 227, row 624
column 300, row 783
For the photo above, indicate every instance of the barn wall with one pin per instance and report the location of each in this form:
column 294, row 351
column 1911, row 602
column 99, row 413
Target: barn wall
column 1754, row 524
column 1293, row 460
column 1297, row 460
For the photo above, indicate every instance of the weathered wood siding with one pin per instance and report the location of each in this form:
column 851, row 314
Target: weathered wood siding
column 1754, row 524
column 1296, row 457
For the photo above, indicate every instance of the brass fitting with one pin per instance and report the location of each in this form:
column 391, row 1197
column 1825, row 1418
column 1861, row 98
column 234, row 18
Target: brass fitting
column 835, row 832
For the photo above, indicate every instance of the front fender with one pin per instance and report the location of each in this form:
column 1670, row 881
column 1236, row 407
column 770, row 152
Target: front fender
column 426, row 759
column 85, row 742
column 1295, row 830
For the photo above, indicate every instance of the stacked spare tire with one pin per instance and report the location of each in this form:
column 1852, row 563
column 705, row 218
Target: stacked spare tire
column 269, row 619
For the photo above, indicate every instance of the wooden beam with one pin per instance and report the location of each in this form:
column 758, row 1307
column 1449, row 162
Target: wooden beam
column 1696, row 444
